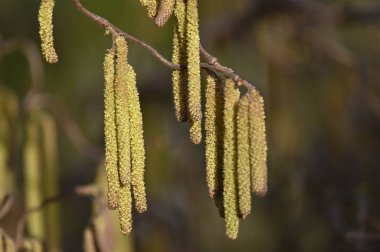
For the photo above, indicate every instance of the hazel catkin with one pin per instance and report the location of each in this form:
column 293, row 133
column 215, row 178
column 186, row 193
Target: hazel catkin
column 137, row 142
column 231, row 97
column 122, row 113
column 193, row 71
column 179, row 57
column 258, row 144
column 243, row 167
column 45, row 19
column 164, row 12
column 111, row 153
column 125, row 209
column 151, row 6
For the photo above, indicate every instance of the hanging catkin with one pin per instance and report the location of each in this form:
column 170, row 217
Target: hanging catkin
column 122, row 113
column 179, row 57
column 45, row 19
column 137, row 142
column 164, row 12
column 231, row 97
column 211, row 136
column 193, row 69
column 243, row 167
column 258, row 144
column 151, row 6
column 111, row 161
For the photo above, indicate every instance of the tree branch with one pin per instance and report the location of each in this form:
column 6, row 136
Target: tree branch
column 212, row 64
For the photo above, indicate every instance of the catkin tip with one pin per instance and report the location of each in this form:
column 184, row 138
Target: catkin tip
column 45, row 19
column 164, row 12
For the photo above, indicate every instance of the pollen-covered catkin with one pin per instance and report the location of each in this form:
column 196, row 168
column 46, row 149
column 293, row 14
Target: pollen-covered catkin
column 193, row 71
column 243, row 167
column 122, row 113
column 45, row 19
column 211, row 136
column 230, row 197
column 258, row 144
column 151, row 6
column 111, row 161
column 164, row 12
column 137, row 142
column 125, row 209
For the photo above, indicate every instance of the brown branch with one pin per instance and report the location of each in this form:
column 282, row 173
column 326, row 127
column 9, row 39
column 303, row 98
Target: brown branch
column 212, row 64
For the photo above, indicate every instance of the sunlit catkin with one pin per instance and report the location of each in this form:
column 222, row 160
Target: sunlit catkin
column 89, row 240
column 151, row 6
column 110, row 130
column 243, row 167
column 193, row 70
column 258, row 144
column 125, row 209
column 45, row 19
column 122, row 113
column 137, row 142
column 179, row 57
column 230, row 197
column 211, row 136
column 164, row 12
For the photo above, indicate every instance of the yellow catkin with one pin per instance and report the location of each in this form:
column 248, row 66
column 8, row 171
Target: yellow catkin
column 49, row 147
column 179, row 57
column 164, row 12
column 211, row 135
column 33, row 179
column 258, row 144
column 137, row 143
column 122, row 114
column 151, row 6
column 243, row 167
column 231, row 97
column 193, row 70
column 89, row 240
column 111, row 161
column 125, row 209
column 45, row 19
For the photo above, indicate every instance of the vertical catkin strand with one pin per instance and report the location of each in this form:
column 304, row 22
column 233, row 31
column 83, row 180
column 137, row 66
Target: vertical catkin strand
column 258, row 144
column 45, row 19
column 122, row 113
column 231, row 97
column 193, row 69
column 151, row 6
column 137, row 143
column 125, row 209
column 243, row 167
column 179, row 57
column 111, row 150
column 164, row 12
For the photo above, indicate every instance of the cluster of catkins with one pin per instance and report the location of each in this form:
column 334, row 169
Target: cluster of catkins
column 235, row 139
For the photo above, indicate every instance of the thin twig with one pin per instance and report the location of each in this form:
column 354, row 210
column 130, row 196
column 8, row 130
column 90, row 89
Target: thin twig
column 212, row 65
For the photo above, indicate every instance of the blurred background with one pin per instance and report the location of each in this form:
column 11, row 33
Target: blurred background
column 317, row 64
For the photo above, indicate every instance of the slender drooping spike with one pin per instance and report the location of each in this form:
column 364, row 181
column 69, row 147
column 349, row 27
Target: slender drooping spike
column 45, row 18
column 211, row 136
column 179, row 57
column 164, row 12
column 193, row 70
column 89, row 240
column 111, row 153
column 122, row 114
column 243, row 167
column 258, row 144
column 32, row 177
column 137, row 143
column 230, row 197
column 125, row 209
column 151, row 6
